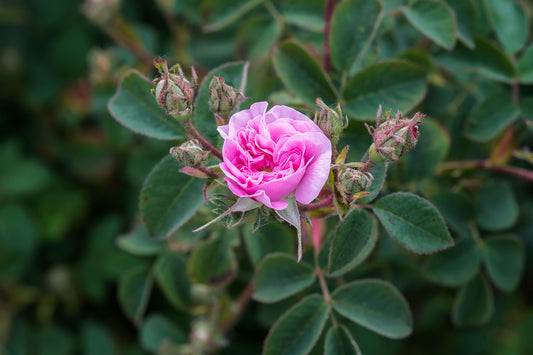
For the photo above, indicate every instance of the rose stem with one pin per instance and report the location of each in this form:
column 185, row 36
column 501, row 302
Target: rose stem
column 485, row 164
column 330, row 6
column 193, row 133
column 317, row 205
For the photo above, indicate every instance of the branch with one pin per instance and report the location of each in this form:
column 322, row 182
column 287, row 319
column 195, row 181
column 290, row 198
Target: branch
column 193, row 133
column 486, row 165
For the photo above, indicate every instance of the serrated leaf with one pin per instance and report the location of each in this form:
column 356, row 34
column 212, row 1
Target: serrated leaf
column 168, row 198
column 433, row 19
column 301, row 74
column 353, row 26
column 497, row 208
column 376, row 305
column 134, row 289
column 272, row 237
column 473, row 304
column 221, row 13
column 394, row 84
column 413, row 222
column 157, row 330
column 455, row 266
column 354, row 240
column 138, row 242
column 298, row 329
column 170, row 272
column 291, row 215
column 504, row 259
column 280, row 276
column 134, row 107
column 379, row 172
column 340, row 341
column 525, row 66
column 490, row 117
column 465, row 13
column 509, row 20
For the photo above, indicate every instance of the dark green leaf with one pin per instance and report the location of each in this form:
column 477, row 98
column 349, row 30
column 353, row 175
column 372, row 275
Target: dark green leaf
column 221, row 13
column 353, row 27
column 138, row 242
column 54, row 340
column 299, row 71
column 339, row 341
column 134, row 106
column 23, row 176
column 496, row 206
column 299, row 328
column 504, row 258
column 280, row 276
column 510, row 23
column 457, row 208
column 413, row 222
column 465, row 13
column 473, row 304
column 170, row 273
column 490, row 117
column 376, row 305
column 169, row 198
column 434, row 19
column 394, row 84
column 134, row 289
column 525, row 66
column 96, row 340
column 307, row 14
column 213, row 262
column 272, row 237
column 379, row 172
column 258, row 35
column 354, row 240
column 157, row 330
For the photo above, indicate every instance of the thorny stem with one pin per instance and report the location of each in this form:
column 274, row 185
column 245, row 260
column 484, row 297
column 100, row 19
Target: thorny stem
column 317, row 205
column 328, row 13
column 369, row 165
column 487, row 165
column 193, row 133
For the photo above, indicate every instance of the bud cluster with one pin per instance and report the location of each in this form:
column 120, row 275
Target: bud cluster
column 223, row 99
column 352, row 184
column 189, row 153
column 330, row 121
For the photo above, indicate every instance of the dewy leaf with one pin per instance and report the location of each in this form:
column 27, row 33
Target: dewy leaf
column 473, row 304
column 291, row 215
column 138, row 242
column 433, row 19
column 510, row 23
column 134, row 106
column 376, row 305
column 504, row 259
column 170, row 271
column 491, row 116
column 497, row 208
column 157, row 330
column 301, row 74
column 168, row 198
column 413, row 222
column 353, row 27
column 280, row 276
column 394, row 84
column 354, row 240
column 465, row 13
column 134, row 289
column 456, row 265
column 221, row 13
column 525, row 66
column 299, row 328
column 340, row 341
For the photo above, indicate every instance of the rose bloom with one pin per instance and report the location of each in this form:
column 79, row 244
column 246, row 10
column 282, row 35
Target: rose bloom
column 270, row 155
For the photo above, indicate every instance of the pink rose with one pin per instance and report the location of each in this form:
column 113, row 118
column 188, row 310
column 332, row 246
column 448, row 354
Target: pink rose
column 270, row 155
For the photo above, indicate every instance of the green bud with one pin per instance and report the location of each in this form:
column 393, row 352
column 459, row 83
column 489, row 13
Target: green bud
column 223, row 98
column 330, row 121
column 351, row 183
column 189, row 153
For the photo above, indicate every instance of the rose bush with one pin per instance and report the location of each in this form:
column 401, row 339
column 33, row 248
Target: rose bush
column 270, row 155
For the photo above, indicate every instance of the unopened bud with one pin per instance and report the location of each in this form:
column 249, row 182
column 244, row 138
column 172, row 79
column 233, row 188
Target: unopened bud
column 330, row 121
column 173, row 91
column 223, row 98
column 189, row 153
column 352, row 183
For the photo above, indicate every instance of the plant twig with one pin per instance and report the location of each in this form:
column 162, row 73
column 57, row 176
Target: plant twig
column 487, row 165
column 317, row 205
column 328, row 13
column 194, row 134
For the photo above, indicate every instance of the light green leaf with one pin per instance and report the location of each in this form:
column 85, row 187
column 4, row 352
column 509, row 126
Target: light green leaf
column 269, row 238
column 134, row 106
column 291, row 215
column 221, row 13
column 299, row 328
column 473, row 304
column 497, row 208
column 394, row 84
column 157, row 330
column 413, row 222
column 505, row 261
column 354, row 240
column 340, row 341
column 138, row 242
column 134, row 289
column 169, row 198
column 170, row 273
column 525, row 66
column 353, row 27
column 301, row 74
column 510, row 23
column 465, row 13
column 280, row 276
column 376, row 305
column 434, row 19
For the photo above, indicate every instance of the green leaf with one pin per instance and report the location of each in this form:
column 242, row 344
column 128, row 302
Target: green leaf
column 301, row 74
column 376, row 305
column 457, row 208
column 465, row 13
column 134, row 289
column 280, row 276
column 525, row 66
column 354, row 240
column 134, row 106
column 235, row 74
column 54, row 340
column 433, row 19
column 491, row 116
column 497, row 208
column 504, row 259
column 413, row 222
column 394, row 83
column 221, row 13
column 157, row 330
column 22, row 176
column 96, row 339
column 340, row 341
column 291, row 215
column 170, row 271
column 299, row 328
column 258, row 35
column 213, row 262
column 353, row 27
column 272, row 237
column 455, row 266
column 138, row 242
column 169, row 198
column 379, row 172
column 510, row 23
column 473, row 304
column 307, row 14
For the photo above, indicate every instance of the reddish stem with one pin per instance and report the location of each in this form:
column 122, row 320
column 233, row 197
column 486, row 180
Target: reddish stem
column 193, row 133
column 317, row 205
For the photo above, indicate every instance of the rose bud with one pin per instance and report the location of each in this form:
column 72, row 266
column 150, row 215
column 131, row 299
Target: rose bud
column 189, row 153
column 351, row 182
column 330, row 121
column 223, row 98
column 173, row 92
column 393, row 137
column 271, row 155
